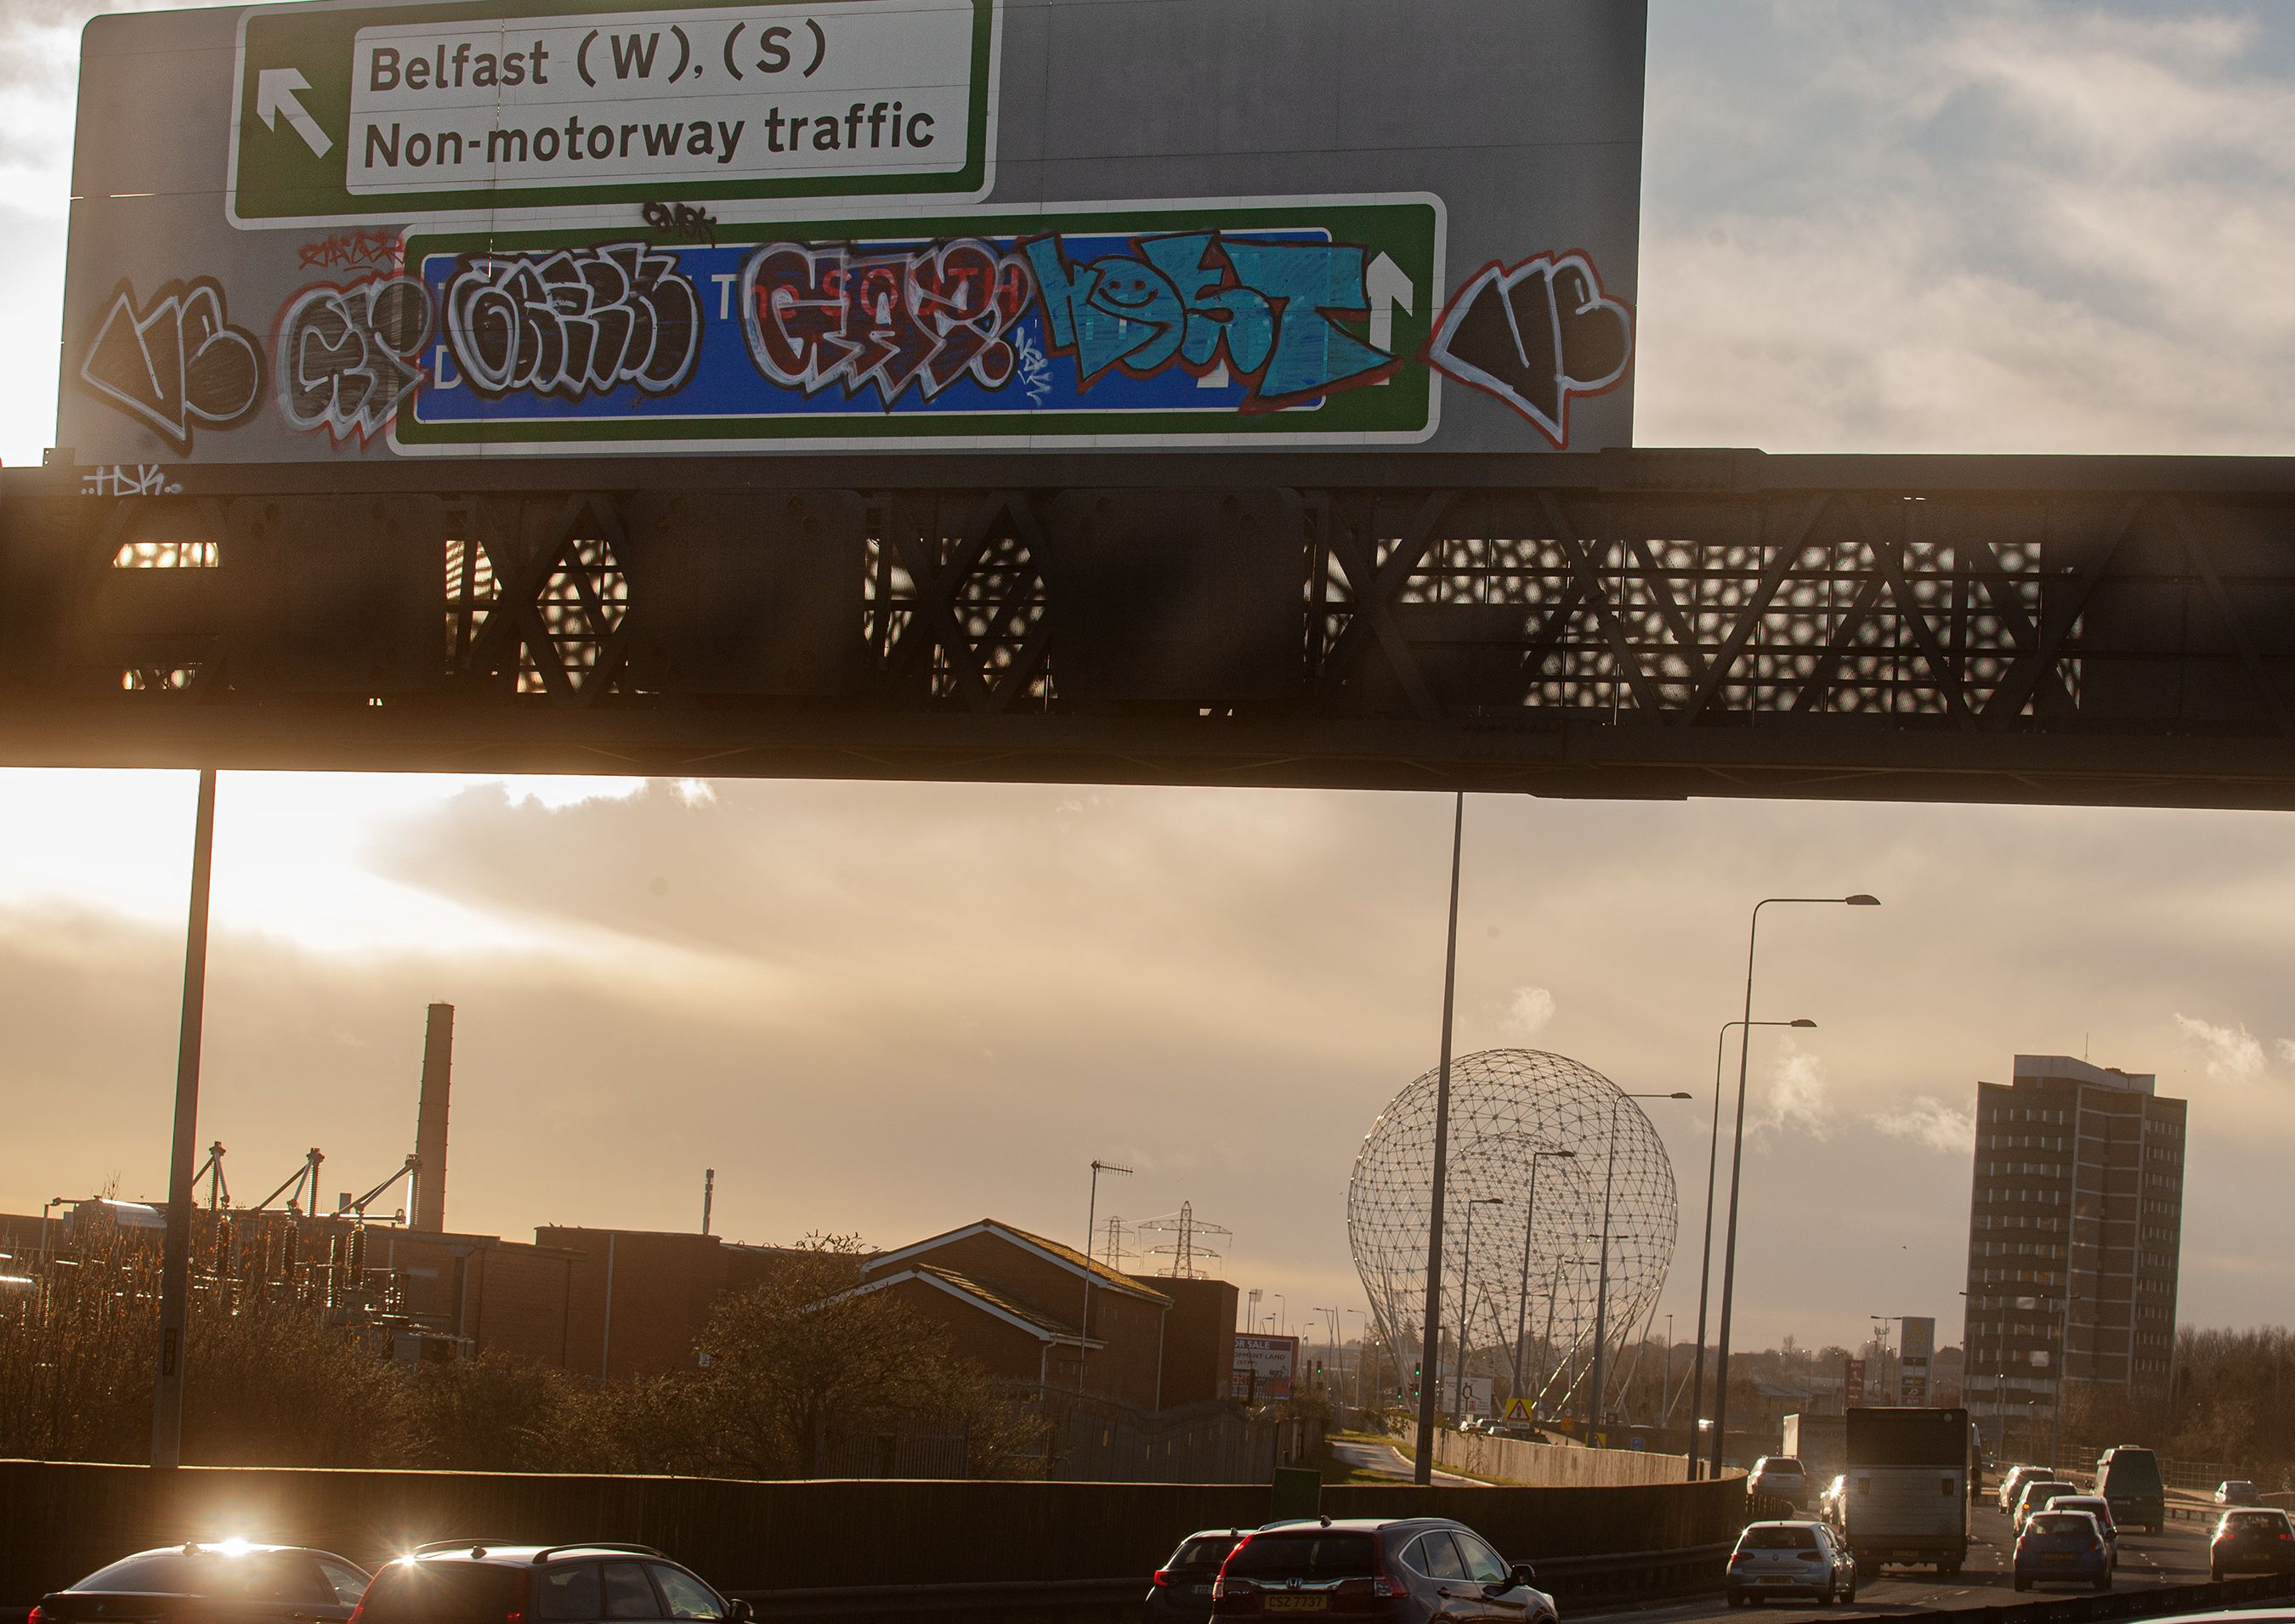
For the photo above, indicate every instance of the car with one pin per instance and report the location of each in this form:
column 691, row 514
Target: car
column 1833, row 1505
column 2098, row 1507
column 2060, row 1545
column 2012, row 1483
column 2251, row 1539
column 468, row 1581
column 1182, row 1588
column 2036, row 1493
column 2238, row 1491
column 2129, row 1475
column 1403, row 1569
column 1790, row 1558
column 1782, row 1476
column 242, row 1581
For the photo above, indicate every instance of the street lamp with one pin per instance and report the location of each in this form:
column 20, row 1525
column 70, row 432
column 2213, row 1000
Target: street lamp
column 1467, row 1299
column 1602, row 1282
column 1888, row 1393
column 1705, row 1257
column 1528, row 1233
column 1737, row 1161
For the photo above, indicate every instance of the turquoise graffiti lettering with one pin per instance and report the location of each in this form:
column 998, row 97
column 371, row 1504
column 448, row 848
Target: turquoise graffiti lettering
column 1270, row 311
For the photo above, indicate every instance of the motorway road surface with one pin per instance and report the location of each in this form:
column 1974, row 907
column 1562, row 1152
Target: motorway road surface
column 2176, row 1555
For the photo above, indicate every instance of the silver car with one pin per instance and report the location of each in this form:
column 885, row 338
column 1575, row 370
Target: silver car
column 1782, row 1475
column 1797, row 1558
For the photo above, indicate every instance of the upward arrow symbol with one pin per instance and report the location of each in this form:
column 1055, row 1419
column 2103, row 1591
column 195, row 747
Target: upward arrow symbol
column 274, row 94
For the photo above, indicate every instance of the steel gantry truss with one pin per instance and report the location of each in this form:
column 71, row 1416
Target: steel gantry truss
column 1626, row 624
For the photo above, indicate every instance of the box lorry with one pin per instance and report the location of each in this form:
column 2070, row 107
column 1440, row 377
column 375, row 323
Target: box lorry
column 1822, row 1443
column 1906, row 1498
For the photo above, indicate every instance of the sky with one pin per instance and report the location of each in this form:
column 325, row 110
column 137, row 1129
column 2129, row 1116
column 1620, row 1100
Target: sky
column 890, row 1009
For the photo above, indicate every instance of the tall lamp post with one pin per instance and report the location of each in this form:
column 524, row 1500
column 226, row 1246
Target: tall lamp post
column 1705, row 1256
column 2063, row 1351
column 1602, row 1281
column 1528, row 1237
column 1467, row 1300
column 1737, row 1160
column 1421, row 1465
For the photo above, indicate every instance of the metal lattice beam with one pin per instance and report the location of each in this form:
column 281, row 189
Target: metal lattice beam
column 1645, row 623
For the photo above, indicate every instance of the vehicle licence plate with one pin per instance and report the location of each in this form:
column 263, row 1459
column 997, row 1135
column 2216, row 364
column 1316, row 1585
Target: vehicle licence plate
column 2056, row 1556
column 1776, row 1579
column 1298, row 1604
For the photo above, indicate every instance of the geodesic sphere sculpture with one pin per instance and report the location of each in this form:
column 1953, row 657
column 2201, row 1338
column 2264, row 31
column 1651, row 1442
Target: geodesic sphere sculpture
column 1524, row 1284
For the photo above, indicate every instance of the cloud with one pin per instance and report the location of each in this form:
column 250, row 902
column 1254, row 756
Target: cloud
column 1799, row 1099
column 2006, row 227
column 1929, row 1121
column 1529, row 1011
column 2232, row 1053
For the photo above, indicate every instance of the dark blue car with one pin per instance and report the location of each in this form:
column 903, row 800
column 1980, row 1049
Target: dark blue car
column 2062, row 1548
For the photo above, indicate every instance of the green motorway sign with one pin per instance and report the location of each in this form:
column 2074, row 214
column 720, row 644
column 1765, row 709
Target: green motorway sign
column 544, row 107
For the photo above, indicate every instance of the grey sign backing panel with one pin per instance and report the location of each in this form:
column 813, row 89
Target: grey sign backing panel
column 1338, row 224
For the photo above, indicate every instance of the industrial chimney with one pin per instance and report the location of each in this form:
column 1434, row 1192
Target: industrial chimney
column 430, row 1120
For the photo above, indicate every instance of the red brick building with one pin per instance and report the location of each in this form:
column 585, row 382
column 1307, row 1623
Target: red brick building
column 1017, row 1303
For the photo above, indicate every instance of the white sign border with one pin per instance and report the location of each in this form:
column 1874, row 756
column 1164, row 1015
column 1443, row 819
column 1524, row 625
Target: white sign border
column 550, row 217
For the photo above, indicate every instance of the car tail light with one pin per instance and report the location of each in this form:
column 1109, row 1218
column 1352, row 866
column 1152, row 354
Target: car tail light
column 2283, row 1534
column 516, row 1613
column 36, row 1617
column 1160, row 1577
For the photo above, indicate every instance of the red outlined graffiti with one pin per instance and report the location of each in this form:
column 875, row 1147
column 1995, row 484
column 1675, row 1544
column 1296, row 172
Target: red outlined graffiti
column 175, row 364
column 922, row 318
column 353, row 251
column 1534, row 335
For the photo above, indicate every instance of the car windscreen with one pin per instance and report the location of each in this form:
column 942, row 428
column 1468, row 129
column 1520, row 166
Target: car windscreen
column 2258, row 1522
column 2040, row 1491
column 442, row 1592
column 254, row 1576
column 1785, row 1463
column 2062, row 1523
column 1206, row 1553
column 1307, row 1554
column 1778, row 1539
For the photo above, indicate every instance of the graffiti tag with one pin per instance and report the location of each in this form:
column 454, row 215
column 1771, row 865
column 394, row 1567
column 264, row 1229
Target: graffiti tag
column 176, row 363
column 683, row 223
column 346, row 356
column 575, row 322
column 1270, row 312
column 893, row 320
column 352, row 250
column 120, row 479
column 1534, row 335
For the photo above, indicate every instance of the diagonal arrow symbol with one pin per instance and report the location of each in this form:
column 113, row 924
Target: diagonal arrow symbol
column 274, row 94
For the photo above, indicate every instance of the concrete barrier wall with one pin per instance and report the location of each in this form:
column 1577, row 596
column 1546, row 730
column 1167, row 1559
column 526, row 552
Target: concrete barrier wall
column 60, row 1521
column 1553, row 1466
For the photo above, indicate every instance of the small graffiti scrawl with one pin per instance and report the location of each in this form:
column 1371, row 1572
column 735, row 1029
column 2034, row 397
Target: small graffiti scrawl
column 176, row 363
column 1534, row 335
